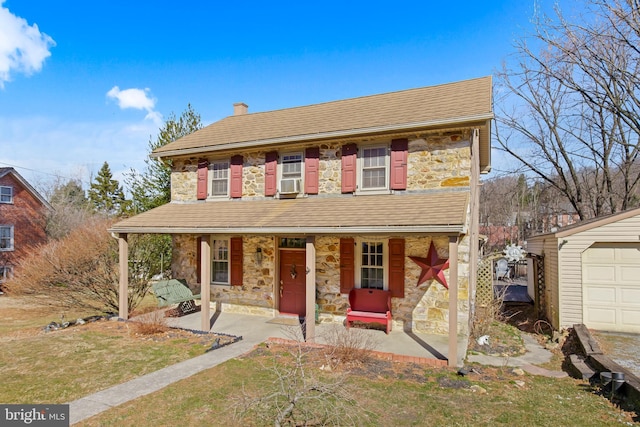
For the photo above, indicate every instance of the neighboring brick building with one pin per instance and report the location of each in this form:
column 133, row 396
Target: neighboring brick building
column 22, row 219
column 274, row 212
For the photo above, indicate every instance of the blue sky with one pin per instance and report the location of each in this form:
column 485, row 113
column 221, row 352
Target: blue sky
column 86, row 82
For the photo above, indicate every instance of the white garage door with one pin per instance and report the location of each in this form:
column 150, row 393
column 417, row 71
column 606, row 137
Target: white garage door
column 611, row 287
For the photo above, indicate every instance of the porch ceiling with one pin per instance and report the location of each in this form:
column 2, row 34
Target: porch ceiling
column 437, row 212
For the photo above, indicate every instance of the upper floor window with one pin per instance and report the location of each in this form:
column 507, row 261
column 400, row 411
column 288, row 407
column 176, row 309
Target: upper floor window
column 291, row 174
column 6, row 237
column 219, row 178
column 374, row 168
column 6, row 195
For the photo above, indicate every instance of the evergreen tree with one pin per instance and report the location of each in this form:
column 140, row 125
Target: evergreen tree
column 106, row 195
column 69, row 193
column 152, row 187
column 70, row 208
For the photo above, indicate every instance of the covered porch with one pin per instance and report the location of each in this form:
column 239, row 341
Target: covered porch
column 441, row 214
column 399, row 345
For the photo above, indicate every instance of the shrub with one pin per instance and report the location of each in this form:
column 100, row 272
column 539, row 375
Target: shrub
column 348, row 346
column 151, row 323
column 81, row 270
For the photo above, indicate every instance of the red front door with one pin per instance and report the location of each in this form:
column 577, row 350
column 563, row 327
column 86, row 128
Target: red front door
column 293, row 282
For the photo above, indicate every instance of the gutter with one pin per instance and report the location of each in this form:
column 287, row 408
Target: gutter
column 443, row 229
column 327, row 135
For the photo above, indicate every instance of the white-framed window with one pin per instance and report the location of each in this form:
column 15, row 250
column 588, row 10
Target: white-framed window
column 219, row 178
column 220, row 261
column 6, row 194
column 6, row 237
column 291, row 173
column 6, row 271
column 373, row 165
column 372, row 264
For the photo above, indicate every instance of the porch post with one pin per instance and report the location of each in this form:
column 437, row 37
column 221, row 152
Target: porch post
column 123, row 266
column 205, row 280
column 453, row 301
column 475, row 220
column 310, row 323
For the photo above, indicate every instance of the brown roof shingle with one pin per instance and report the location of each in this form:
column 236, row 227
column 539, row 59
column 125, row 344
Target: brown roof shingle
column 459, row 102
column 437, row 212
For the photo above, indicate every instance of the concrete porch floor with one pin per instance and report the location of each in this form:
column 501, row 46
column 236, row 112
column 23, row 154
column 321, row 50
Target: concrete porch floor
column 257, row 329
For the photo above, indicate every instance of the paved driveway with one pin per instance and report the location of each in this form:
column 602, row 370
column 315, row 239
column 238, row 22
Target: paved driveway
column 624, row 349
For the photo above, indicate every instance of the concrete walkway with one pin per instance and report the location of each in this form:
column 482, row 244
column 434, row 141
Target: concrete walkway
column 253, row 330
column 96, row 403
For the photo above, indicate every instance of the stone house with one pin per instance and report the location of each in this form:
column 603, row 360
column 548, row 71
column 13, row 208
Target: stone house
column 22, row 220
column 276, row 212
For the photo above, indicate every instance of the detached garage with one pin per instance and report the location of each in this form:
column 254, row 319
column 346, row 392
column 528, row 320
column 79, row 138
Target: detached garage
column 592, row 273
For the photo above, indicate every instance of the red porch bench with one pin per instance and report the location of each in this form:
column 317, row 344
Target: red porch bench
column 370, row 306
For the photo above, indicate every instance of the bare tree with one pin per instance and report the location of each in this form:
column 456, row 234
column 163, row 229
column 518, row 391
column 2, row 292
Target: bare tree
column 298, row 393
column 569, row 112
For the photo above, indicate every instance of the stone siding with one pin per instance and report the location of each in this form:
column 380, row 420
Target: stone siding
column 423, row 309
column 434, row 162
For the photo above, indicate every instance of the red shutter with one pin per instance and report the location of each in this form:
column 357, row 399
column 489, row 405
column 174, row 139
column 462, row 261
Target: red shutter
column 399, row 155
column 311, row 170
column 236, row 260
column 270, row 173
column 202, row 179
column 236, row 176
column 396, row 267
column 349, row 168
column 199, row 259
column 347, row 264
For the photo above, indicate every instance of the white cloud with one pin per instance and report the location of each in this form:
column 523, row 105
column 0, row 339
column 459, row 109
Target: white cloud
column 23, row 48
column 139, row 99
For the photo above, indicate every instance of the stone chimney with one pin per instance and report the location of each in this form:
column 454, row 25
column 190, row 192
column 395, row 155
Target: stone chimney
column 240, row 108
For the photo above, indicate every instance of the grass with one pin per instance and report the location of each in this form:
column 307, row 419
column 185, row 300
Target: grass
column 435, row 397
column 61, row 366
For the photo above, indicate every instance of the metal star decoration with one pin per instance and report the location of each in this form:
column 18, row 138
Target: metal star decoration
column 432, row 267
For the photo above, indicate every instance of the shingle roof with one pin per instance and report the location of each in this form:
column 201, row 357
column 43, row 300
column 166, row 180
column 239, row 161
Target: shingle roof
column 443, row 105
column 437, row 212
